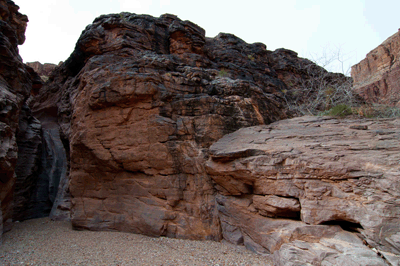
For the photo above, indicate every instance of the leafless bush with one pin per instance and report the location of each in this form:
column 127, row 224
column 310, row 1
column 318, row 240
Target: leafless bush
column 315, row 91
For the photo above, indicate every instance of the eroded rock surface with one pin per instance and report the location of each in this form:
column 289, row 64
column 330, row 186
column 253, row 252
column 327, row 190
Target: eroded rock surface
column 139, row 102
column 15, row 88
column 377, row 77
column 43, row 70
column 341, row 178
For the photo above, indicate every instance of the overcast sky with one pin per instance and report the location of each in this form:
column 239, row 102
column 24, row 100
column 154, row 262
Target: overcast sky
column 313, row 28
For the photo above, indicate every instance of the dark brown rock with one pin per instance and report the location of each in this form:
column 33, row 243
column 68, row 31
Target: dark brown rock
column 15, row 88
column 29, row 141
column 376, row 78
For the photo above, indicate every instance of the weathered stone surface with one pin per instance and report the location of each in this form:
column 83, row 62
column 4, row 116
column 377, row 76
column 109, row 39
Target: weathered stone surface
column 41, row 171
column 52, row 197
column 342, row 249
column 43, row 70
column 138, row 103
column 129, row 119
column 341, row 175
column 29, row 140
column 377, row 77
column 273, row 206
column 15, row 88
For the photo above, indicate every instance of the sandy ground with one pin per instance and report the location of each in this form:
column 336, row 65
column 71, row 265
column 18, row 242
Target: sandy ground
column 45, row 242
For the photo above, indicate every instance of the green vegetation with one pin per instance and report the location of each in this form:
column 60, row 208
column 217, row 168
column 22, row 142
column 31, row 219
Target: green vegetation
column 223, row 73
column 339, row 110
column 122, row 16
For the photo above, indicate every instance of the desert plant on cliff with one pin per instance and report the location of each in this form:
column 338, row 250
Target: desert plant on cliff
column 223, row 73
column 315, row 91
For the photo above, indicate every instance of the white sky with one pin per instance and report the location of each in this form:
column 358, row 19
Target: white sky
column 312, row 28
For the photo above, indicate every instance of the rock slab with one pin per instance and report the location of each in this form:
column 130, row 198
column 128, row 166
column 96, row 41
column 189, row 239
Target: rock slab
column 317, row 175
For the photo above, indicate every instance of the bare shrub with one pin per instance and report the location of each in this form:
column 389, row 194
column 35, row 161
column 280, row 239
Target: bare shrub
column 315, row 91
column 318, row 90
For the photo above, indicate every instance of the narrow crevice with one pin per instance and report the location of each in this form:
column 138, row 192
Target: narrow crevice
column 346, row 225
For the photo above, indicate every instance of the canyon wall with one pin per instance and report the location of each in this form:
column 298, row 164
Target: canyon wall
column 15, row 88
column 377, row 77
column 137, row 107
column 24, row 191
column 139, row 102
column 43, row 70
column 150, row 127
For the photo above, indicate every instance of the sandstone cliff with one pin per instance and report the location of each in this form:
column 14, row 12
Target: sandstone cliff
column 139, row 102
column 137, row 131
column 376, row 78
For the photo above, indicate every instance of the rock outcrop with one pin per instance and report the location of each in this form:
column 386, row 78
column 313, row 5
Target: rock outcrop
column 15, row 88
column 138, row 104
column 377, row 77
column 150, row 127
column 43, row 70
column 311, row 190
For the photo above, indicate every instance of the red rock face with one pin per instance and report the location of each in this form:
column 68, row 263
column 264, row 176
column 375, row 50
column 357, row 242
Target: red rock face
column 377, row 77
column 140, row 100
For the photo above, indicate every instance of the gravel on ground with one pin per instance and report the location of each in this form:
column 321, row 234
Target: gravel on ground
column 46, row 242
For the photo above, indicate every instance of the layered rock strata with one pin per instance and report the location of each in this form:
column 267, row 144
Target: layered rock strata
column 139, row 102
column 15, row 88
column 24, row 193
column 377, row 77
column 136, row 107
column 332, row 184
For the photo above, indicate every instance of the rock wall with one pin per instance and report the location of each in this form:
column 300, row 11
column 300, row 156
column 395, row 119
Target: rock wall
column 15, row 87
column 311, row 190
column 377, row 77
column 21, row 133
column 138, row 104
column 43, row 70
column 136, row 132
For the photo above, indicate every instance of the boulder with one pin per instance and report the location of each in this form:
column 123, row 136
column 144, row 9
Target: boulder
column 341, row 174
column 376, row 78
